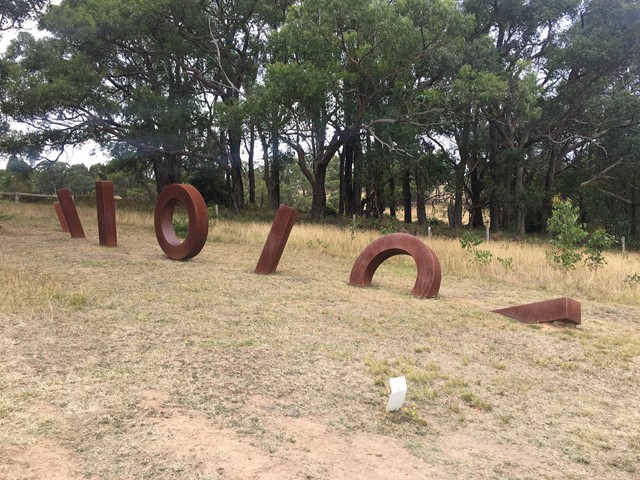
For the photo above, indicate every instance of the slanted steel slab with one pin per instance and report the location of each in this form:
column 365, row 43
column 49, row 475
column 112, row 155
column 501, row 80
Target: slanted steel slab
column 70, row 213
column 429, row 275
column 106, row 206
column 61, row 219
column 563, row 309
column 276, row 241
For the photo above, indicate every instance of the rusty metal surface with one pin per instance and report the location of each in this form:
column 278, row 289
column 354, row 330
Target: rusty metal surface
column 61, row 219
column 563, row 309
column 106, row 207
column 70, row 213
column 196, row 208
column 276, row 240
column 428, row 277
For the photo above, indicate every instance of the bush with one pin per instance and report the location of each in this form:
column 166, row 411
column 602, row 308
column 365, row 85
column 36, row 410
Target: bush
column 568, row 235
column 470, row 242
column 598, row 241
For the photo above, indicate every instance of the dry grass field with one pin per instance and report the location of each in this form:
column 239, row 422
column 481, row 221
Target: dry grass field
column 118, row 363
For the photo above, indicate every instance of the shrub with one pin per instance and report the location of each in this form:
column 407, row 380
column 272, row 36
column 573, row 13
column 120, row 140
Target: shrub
column 568, row 235
column 598, row 241
column 470, row 242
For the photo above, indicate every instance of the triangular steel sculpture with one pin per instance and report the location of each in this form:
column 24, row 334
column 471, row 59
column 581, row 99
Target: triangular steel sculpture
column 563, row 309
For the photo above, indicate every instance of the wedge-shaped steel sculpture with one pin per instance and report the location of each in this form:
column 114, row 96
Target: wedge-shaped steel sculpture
column 196, row 208
column 276, row 241
column 106, row 207
column 429, row 275
column 563, row 309
column 70, row 213
column 61, row 219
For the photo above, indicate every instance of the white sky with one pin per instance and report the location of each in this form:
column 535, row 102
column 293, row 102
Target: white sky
column 87, row 154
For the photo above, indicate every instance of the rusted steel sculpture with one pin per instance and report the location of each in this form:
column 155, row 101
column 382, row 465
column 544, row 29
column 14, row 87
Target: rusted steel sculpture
column 559, row 309
column 106, row 206
column 61, row 219
column 277, row 240
column 428, row 280
column 70, row 213
column 198, row 221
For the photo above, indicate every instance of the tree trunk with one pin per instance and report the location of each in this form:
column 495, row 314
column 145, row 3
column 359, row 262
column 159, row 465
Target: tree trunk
column 357, row 177
column 420, row 198
column 319, row 200
column 520, row 207
column 343, row 187
column 273, row 197
column 252, row 175
column 392, row 201
column 494, row 200
column 237, row 188
column 475, row 196
column 167, row 169
column 347, row 153
column 547, row 202
column 352, row 175
column 406, row 195
column 506, row 198
column 633, row 227
column 455, row 216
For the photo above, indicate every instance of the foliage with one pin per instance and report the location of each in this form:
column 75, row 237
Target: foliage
column 506, row 262
column 180, row 226
column 568, row 235
column 359, row 106
column 470, row 242
column 14, row 13
column 598, row 241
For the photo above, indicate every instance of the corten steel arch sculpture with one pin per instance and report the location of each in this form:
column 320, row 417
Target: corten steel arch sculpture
column 191, row 198
column 106, row 207
column 276, row 241
column 563, row 309
column 70, row 213
column 61, row 219
column 428, row 280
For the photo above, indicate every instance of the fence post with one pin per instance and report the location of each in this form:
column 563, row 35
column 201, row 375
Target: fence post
column 624, row 250
column 486, row 233
column 429, row 232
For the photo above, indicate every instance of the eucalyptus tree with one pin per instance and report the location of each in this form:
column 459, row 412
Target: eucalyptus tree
column 164, row 78
column 13, row 13
column 334, row 60
column 559, row 61
column 592, row 78
column 523, row 35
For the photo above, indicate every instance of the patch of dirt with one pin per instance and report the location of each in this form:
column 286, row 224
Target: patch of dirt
column 311, row 449
column 44, row 460
column 476, row 453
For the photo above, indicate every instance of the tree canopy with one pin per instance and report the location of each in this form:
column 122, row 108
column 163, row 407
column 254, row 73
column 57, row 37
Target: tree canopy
column 493, row 107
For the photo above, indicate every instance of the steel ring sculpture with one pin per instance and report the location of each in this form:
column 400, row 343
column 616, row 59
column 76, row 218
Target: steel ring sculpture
column 171, row 245
column 428, row 279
